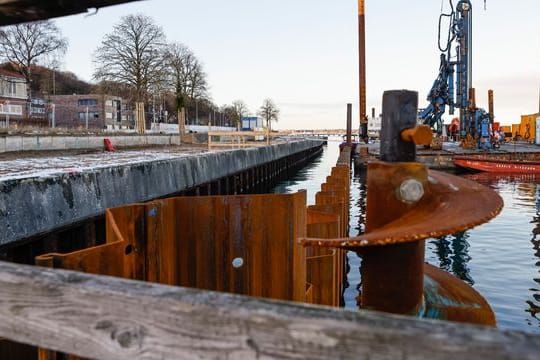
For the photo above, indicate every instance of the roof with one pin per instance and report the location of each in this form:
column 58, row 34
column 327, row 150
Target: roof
column 86, row 96
column 18, row 11
column 11, row 73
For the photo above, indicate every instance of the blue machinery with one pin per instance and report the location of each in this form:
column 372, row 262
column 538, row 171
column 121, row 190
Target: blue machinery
column 474, row 123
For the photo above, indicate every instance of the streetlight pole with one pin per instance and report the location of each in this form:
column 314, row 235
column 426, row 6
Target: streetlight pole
column 53, row 122
column 7, row 120
column 154, row 110
column 197, row 111
column 7, row 114
column 87, row 118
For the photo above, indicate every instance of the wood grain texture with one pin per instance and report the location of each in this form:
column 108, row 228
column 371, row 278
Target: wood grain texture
column 112, row 318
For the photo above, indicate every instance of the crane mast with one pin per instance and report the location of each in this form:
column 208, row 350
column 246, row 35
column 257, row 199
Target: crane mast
column 464, row 64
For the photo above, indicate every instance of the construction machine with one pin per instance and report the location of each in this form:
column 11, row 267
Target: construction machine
column 453, row 86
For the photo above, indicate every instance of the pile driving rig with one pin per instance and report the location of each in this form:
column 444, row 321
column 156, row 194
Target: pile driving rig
column 475, row 124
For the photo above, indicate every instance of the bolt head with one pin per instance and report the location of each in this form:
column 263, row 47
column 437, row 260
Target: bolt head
column 237, row 262
column 411, row 191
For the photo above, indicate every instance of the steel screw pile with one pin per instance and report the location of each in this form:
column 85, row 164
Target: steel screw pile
column 406, row 204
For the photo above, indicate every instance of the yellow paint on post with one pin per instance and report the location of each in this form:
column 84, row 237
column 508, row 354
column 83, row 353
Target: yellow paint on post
column 361, row 7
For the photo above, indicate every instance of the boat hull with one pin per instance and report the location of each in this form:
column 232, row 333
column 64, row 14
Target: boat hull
column 498, row 166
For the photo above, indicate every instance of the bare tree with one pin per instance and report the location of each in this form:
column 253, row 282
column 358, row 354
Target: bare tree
column 229, row 114
column 269, row 112
column 198, row 82
column 132, row 54
column 24, row 44
column 179, row 58
column 240, row 109
column 185, row 75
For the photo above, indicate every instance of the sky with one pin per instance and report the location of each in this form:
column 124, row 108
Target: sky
column 304, row 54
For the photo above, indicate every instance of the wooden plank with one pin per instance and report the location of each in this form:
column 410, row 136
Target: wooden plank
column 237, row 133
column 114, row 318
column 238, row 138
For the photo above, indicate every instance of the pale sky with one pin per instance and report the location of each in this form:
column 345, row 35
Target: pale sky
column 304, row 54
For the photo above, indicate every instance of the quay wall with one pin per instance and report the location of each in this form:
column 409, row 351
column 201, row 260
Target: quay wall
column 38, row 205
column 443, row 161
column 14, row 143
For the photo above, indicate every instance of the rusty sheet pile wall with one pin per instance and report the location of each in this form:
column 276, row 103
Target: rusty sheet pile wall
column 242, row 244
column 245, row 244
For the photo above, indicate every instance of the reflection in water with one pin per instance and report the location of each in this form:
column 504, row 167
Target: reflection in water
column 359, row 203
column 493, row 179
column 534, row 305
column 452, row 251
column 305, row 178
column 352, row 289
column 525, row 194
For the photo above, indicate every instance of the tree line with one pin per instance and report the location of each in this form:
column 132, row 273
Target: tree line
column 134, row 61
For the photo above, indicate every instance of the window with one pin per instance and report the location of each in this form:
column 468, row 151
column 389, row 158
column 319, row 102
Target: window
column 88, row 102
column 12, row 88
column 91, row 115
column 15, row 109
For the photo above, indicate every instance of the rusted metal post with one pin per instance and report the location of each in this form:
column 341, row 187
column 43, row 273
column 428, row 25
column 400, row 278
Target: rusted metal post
column 399, row 113
column 362, row 68
column 491, row 108
column 349, row 125
column 472, row 99
column 392, row 276
column 472, row 111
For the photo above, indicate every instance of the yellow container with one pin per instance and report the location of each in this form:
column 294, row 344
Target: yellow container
column 505, row 128
column 516, row 131
column 528, row 127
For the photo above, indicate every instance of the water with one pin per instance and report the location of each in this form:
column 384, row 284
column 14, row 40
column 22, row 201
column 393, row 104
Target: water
column 501, row 259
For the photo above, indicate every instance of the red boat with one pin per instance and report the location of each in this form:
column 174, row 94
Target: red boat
column 497, row 165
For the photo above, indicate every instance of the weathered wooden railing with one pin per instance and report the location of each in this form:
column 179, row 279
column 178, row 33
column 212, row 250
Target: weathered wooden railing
column 113, row 318
column 238, row 139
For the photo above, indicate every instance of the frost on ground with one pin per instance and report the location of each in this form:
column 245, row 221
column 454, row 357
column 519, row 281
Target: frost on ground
column 39, row 166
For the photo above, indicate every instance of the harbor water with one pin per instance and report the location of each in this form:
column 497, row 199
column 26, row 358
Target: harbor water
column 500, row 259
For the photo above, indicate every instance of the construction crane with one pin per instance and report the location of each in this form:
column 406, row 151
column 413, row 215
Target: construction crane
column 455, row 76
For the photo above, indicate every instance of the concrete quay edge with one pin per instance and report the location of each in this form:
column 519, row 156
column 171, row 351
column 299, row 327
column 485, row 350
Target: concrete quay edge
column 33, row 206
